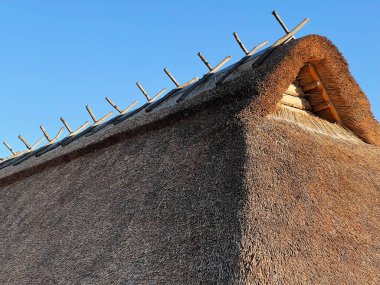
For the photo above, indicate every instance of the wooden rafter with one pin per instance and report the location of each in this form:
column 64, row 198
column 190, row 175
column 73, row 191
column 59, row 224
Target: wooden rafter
column 329, row 104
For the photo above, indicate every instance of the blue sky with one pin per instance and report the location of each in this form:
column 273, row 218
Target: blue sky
column 58, row 56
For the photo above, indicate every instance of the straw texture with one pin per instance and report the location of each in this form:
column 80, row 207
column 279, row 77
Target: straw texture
column 223, row 188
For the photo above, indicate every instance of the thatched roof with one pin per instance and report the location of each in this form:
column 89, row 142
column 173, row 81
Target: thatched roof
column 224, row 187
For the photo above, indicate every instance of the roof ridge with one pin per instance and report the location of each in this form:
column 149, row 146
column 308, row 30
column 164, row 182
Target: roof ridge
column 183, row 90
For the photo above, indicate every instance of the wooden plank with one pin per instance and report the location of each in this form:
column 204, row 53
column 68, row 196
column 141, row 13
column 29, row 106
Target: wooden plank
column 321, row 107
column 295, row 90
column 311, row 86
column 325, row 95
column 295, row 102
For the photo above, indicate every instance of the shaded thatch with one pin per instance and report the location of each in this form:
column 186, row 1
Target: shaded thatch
column 223, row 188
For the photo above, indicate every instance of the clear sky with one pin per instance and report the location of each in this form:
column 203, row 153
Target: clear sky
column 58, row 56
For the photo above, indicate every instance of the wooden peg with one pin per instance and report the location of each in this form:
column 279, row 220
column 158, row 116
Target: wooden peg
column 281, row 22
column 32, row 152
column 143, row 91
column 71, row 132
column 256, row 48
column 91, row 113
column 179, row 86
column 37, row 143
column 171, row 93
column 171, row 77
column 220, row 64
column 279, row 42
column 24, row 141
column 113, row 105
column 51, row 141
column 248, row 53
column 28, row 146
column 45, row 133
column 216, row 68
column 96, row 121
column 157, row 95
column 57, row 135
column 146, row 93
column 204, row 78
column 195, row 79
column 241, row 61
column 9, row 147
column 204, row 61
column 66, row 125
column 134, row 103
column 242, row 46
column 118, row 109
column 291, row 33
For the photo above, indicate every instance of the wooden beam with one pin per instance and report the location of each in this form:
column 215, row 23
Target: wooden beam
column 325, row 95
column 321, row 107
column 311, row 86
column 295, row 102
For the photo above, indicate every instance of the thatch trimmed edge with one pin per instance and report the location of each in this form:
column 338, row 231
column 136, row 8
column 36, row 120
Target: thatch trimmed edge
column 283, row 66
column 262, row 87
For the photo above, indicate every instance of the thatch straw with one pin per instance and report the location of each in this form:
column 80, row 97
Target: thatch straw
column 312, row 123
column 223, row 188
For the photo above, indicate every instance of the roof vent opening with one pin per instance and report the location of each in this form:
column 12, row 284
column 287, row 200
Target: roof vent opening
column 307, row 103
column 309, row 94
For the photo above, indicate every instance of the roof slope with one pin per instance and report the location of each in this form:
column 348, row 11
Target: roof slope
column 269, row 80
column 141, row 211
column 207, row 190
column 311, row 210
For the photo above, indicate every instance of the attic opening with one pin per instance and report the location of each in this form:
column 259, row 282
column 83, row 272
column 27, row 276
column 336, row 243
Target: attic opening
column 307, row 103
column 308, row 94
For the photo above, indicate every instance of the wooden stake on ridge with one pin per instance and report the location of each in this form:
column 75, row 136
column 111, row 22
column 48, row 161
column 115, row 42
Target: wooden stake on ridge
column 122, row 112
column 95, row 120
column 71, row 132
column 248, row 54
column 281, row 22
column 216, row 68
column 146, row 93
column 176, row 83
column 9, row 148
column 51, row 141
